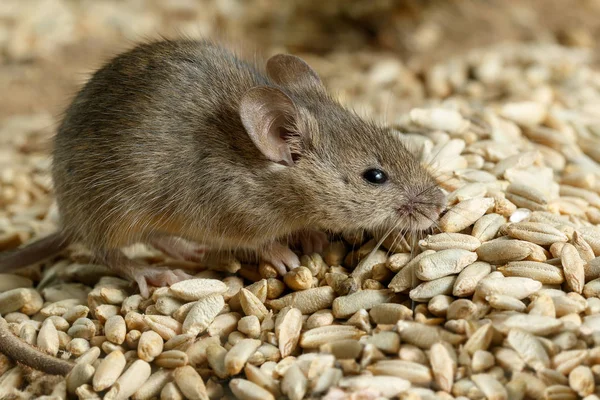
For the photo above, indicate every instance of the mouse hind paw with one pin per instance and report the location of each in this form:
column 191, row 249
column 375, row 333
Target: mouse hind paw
column 179, row 248
column 141, row 273
column 157, row 276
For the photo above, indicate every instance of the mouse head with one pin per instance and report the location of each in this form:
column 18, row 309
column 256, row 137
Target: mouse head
column 330, row 166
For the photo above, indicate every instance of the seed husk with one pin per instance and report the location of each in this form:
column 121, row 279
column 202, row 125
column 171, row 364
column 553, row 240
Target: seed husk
column 245, row 390
column 514, row 286
column 465, row 214
column 294, row 384
column 202, row 314
column 80, row 375
column 536, row 232
column 252, row 304
column 541, row 272
column 28, row 301
column 469, row 278
column 171, row 391
column 486, row 228
column 535, row 324
column 197, row 351
column 239, row 354
column 47, row 338
column 386, row 386
column 503, row 302
column 501, row 251
column 152, row 387
column 215, row 355
column 131, row 380
column 190, row 383
column 329, row 378
column 345, row 306
column 195, row 289
column 307, row 301
column 446, row 241
column 425, row 336
column 386, row 341
column 529, row 348
column 482, row 360
column 171, row 359
column 413, row 372
column 442, row 366
column 573, row 267
column 389, row 313
column 317, row 337
column 427, row 290
column 398, row 261
column 108, row 371
column 490, row 387
column 585, row 251
column 299, row 278
column 115, row 329
column 581, row 380
column 365, row 266
column 405, row 278
column 444, row 263
column 287, row 330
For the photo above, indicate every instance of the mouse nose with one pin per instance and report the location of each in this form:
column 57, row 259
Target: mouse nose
column 408, row 208
column 423, row 208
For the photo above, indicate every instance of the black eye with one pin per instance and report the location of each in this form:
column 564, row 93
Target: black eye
column 375, row 176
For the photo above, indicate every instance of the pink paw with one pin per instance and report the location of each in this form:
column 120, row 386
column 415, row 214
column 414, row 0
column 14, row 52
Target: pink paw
column 158, row 276
column 312, row 241
column 281, row 257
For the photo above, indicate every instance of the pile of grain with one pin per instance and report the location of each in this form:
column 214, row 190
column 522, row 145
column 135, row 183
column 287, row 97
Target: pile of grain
column 507, row 290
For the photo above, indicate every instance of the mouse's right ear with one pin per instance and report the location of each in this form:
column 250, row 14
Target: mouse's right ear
column 286, row 70
column 270, row 118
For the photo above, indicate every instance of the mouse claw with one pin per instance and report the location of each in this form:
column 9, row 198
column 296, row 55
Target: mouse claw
column 281, row 257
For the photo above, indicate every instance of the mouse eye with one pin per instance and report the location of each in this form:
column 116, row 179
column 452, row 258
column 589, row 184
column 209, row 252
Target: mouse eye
column 375, row 176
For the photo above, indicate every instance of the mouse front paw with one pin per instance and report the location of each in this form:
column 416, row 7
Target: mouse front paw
column 281, row 257
column 312, row 241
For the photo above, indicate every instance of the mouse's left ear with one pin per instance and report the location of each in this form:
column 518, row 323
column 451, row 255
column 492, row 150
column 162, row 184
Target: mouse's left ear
column 286, row 69
column 270, row 118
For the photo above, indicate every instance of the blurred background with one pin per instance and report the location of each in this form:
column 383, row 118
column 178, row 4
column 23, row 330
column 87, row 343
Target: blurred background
column 48, row 47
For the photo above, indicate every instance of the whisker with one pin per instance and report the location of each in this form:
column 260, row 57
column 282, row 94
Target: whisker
column 383, row 238
column 433, row 222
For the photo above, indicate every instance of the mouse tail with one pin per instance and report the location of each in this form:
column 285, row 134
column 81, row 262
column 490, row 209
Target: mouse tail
column 10, row 345
column 33, row 253
column 20, row 351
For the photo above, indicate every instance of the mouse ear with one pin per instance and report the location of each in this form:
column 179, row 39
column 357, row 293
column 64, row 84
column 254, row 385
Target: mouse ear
column 269, row 116
column 286, row 69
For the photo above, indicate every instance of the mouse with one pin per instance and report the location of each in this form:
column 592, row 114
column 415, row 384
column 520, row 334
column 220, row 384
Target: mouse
column 185, row 146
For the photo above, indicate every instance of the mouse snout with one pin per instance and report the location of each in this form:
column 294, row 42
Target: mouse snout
column 423, row 209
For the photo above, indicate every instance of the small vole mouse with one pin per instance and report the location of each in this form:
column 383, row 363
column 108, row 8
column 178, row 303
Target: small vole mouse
column 181, row 142
column 182, row 145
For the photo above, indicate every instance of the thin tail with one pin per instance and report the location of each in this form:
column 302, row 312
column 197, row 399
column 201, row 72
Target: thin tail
column 33, row 253
column 20, row 351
